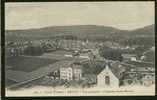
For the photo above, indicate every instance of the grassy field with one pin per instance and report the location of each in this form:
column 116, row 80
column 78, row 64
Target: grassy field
column 58, row 55
column 28, row 64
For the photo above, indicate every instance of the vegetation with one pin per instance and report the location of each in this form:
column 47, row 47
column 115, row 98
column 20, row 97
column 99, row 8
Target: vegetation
column 111, row 54
column 91, row 32
column 33, row 51
column 146, row 41
column 92, row 68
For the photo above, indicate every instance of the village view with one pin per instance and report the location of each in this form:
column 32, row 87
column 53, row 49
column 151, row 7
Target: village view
column 68, row 61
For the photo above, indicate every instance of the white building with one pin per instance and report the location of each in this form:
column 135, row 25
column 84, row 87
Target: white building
column 129, row 57
column 66, row 73
column 77, row 72
column 110, row 76
column 70, row 72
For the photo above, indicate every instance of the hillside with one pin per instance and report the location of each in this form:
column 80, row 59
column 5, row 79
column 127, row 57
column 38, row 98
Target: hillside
column 147, row 31
column 77, row 30
column 93, row 32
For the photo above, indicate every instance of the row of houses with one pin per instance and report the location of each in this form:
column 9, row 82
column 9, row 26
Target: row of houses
column 108, row 76
column 16, row 48
column 71, row 72
column 113, row 74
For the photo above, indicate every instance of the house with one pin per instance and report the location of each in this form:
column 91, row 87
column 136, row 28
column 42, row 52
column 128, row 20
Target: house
column 77, row 71
column 70, row 72
column 145, row 78
column 66, row 73
column 143, row 57
column 140, row 72
column 129, row 57
column 54, row 75
column 148, row 79
column 110, row 76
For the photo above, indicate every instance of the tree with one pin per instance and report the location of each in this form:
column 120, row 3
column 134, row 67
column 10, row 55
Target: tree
column 111, row 54
column 56, row 43
column 37, row 51
column 33, row 51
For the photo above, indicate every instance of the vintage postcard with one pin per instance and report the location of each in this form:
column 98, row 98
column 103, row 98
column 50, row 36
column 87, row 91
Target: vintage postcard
column 79, row 49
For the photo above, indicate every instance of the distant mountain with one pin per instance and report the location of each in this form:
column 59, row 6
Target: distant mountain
column 147, row 30
column 81, row 31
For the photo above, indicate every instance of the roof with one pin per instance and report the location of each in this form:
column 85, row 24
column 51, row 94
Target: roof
column 64, row 64
column 129, row 55
column 77, row 66
column 116, row 68
column 89, row 76
column 141, row 64
column 72, row 64
column 93, row 69
column 98, row 70
column 79, row 60
column 142, row 72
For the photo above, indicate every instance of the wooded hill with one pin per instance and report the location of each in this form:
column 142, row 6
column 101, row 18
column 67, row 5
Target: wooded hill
column 92, row 32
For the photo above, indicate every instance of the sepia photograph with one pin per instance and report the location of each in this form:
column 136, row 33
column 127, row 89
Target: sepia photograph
column 80, row 48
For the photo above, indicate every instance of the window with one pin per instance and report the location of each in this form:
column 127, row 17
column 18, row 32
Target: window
column 107, row 80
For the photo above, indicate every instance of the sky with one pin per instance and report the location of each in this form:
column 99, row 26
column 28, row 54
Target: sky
column 121, row 15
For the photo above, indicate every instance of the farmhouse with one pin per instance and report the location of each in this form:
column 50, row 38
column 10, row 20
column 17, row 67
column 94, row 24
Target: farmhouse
column 110, row 76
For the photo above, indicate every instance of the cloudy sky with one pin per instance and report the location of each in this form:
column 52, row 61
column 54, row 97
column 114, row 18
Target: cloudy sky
column 122, row 15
